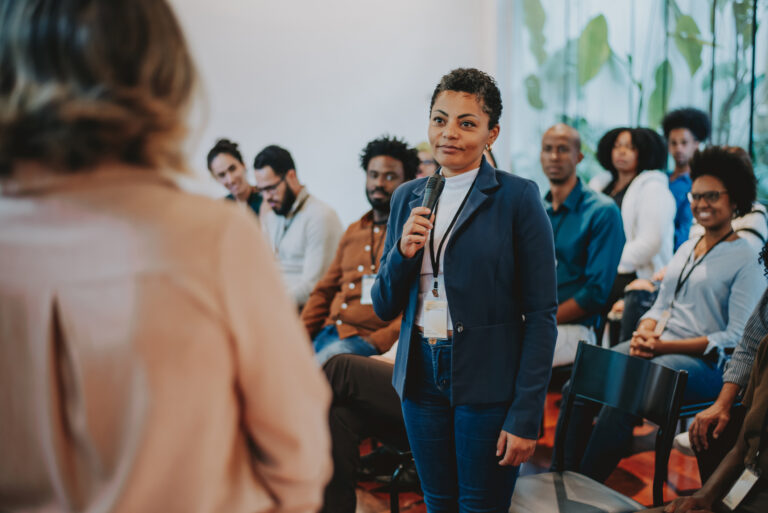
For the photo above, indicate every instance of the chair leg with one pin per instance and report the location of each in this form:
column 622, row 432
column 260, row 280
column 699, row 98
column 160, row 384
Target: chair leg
column 661, row 465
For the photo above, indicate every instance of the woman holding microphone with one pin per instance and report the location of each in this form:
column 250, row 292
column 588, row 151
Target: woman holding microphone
column 475, row 279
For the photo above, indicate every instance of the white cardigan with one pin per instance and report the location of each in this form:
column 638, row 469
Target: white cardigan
column 648, row 215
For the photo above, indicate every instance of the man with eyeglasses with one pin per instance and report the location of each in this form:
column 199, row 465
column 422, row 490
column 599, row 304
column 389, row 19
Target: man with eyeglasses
column 302, row 230
column 339, row 315
column 589, row 237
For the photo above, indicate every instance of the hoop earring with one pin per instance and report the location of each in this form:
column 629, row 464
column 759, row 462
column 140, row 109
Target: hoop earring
column 487, row 148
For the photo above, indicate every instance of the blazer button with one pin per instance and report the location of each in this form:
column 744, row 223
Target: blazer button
column 459, row 327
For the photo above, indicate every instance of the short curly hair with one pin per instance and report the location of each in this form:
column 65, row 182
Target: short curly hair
column 79, row 87
column 392, row 147
column 732, row 166
column 694, row 120
column 473, row 81
column 225, row 146
column 651, row 149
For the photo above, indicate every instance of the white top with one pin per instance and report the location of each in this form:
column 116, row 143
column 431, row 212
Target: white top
column 304, row 242
column 456, row 188
column 648, row 215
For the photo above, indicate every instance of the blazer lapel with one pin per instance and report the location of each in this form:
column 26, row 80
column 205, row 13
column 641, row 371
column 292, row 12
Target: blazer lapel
column 485, row 184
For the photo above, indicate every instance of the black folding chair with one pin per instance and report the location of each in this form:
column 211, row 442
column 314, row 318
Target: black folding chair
column 634, row 385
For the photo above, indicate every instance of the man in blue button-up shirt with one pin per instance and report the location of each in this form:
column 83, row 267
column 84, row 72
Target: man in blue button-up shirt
column 589, row 237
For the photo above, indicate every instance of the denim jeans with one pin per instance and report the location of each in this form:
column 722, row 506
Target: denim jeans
column 454, row 446
column 597, row 454
column 327, row 344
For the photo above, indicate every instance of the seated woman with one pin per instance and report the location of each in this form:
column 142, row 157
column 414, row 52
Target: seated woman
column 710, row 288
column 640, row 294
column 633, row 157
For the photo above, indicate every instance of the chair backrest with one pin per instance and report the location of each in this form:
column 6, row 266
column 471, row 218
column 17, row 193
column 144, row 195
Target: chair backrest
column 634, row 385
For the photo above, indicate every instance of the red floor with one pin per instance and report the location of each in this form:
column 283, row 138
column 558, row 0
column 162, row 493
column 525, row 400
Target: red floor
column 633, row 477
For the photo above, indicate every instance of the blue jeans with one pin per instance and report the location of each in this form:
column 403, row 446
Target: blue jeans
column 327, row 344
column 454, row 446
column 597, row 454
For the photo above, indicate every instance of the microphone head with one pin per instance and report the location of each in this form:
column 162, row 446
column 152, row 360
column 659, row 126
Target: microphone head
column 432, row 190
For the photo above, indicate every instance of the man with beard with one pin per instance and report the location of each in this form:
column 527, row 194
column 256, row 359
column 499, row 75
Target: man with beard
column 685, row 129
column 339, row 315
column 302, row 230
column 589, row 238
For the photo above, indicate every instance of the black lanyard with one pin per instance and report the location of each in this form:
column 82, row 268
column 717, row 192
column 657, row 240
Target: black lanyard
column 375, row 249
column 682, row 280
column 435, row 258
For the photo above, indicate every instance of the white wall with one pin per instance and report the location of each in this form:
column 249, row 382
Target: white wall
column 324, row 78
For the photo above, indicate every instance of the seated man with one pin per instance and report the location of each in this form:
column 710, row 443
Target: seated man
column 713, row 431
column 364, row 404
column 226, row 166
column 302, row 231
column 589, row 238
column 339, row 316
column 746, row 463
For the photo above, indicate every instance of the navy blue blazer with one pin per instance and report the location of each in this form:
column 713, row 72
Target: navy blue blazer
column 502, row 294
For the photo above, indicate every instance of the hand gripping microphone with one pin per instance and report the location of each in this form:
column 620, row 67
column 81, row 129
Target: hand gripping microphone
column 434, row 187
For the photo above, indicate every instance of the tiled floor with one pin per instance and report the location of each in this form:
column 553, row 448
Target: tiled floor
column 633, row 477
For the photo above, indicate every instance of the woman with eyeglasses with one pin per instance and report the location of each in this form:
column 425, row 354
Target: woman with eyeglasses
column 710, row 288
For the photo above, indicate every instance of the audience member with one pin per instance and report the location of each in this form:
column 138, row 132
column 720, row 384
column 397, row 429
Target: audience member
column 633, row 157
column 427, row 163
column 302, row 230
column 739, row 483
column 713, row 431
column 226, row 165
column 589, row 238
column 149, row 360
column 685, row 129
column 364, row 405
column 339, row 314
column 709, row 289
column 753, row 224
column 478, row 332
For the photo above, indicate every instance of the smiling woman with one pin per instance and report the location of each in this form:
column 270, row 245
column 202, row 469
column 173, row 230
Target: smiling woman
column 710, row 287
column 475, row 281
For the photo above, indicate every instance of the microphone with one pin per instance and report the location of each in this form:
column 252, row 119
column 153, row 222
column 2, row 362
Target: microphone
column 432, row 190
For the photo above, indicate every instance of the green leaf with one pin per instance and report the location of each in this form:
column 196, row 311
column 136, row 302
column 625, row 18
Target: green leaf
column 657, row 103
column 534, row 16
column 742, row 13
column 533, row 92
column 688, row 42
column 594, row 50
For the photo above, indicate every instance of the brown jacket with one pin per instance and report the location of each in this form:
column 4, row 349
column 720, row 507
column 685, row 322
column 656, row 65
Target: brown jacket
column 336, row 297
column 150, row 360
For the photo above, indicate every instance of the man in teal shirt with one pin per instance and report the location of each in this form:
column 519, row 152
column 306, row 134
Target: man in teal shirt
column 589, row 237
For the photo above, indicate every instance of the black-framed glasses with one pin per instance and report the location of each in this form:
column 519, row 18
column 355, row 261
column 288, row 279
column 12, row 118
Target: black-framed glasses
column 709, row 196
column 270, row 188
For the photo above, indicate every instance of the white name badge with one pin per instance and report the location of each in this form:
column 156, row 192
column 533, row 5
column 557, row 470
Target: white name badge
column 740, row 488
column 365, row 294
column 434, row 316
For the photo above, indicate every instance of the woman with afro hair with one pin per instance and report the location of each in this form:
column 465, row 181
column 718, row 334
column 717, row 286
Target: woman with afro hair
column 710, row 288
column 633, row 156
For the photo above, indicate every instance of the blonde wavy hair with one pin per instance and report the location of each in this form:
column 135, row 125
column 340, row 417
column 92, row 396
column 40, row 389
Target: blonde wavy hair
column 86, row 81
